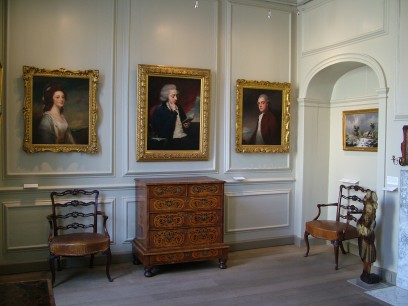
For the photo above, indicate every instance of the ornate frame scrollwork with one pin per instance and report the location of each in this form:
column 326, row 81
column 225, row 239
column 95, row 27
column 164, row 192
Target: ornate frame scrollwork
column 193, row 87
column 360, row 130
column 80, row 109
column 247, row 115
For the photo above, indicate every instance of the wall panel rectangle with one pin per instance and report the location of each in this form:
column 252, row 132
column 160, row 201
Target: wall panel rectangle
column 359, row 20
column 25, row 225
column 251, row 211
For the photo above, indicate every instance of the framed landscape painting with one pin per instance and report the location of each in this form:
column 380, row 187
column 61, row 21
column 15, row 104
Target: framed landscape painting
column 172, row 113
column 60, row 110
column 360, row 130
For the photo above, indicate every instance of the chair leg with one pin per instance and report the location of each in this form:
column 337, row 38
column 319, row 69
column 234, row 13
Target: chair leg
column 342, row 248
column 59, row 263
column 306, row 238
column 108, row 263
column 336, row 254
column 91, row 261
column 52, row 268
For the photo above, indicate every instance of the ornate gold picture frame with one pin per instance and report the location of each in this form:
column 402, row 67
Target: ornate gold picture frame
column 172, row 113
column 60, row 110
column 262, row 117
column 1, row 93
column 360, row 130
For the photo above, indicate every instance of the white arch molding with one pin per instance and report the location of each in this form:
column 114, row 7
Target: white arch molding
column 362, row 59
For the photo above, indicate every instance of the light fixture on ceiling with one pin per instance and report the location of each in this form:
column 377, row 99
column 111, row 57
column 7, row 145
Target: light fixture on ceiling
column 196, row 4
column 297, row 12
column 269, row 14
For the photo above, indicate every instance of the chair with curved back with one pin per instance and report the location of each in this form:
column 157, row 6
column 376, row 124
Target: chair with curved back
column 350, row 203
column 74, row 228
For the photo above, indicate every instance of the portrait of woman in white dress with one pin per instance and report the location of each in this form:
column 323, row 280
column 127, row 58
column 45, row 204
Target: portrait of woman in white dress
column 53, row 127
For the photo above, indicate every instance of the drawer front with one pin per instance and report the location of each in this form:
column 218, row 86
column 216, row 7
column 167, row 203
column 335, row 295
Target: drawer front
column 170, row 220
column 167, row 204
column 170, row 258
column 209, row 202
column 205, row 189
column 167, row 191
column 207, row 235
column 185, row 237
column 204, row 218
column 184, row 219
column 167, row 238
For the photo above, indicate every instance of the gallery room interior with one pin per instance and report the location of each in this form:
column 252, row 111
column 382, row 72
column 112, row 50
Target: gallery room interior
column 335, row 72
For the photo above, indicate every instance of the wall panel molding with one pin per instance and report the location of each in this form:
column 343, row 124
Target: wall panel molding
column 362, row 20
column 22, row 226
column 130, row 219
column 257, row 210
column 25, row 226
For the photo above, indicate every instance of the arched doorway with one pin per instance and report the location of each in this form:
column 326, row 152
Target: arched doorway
column 322, row 98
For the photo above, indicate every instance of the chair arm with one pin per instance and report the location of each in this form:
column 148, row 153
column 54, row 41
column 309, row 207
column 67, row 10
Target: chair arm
column 105, row 218
column 319, row 206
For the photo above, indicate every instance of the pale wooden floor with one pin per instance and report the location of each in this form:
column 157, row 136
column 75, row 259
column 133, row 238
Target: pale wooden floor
column 267, row 276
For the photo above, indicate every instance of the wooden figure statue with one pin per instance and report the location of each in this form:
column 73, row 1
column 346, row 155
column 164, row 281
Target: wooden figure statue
column 366, row 246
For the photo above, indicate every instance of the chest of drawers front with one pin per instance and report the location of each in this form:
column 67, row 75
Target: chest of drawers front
column 179, row 221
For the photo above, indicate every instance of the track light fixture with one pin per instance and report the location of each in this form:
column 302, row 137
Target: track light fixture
column 196, row 4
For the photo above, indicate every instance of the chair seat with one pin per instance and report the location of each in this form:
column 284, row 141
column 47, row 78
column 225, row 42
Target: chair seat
column 79, row 244
column 331, row 230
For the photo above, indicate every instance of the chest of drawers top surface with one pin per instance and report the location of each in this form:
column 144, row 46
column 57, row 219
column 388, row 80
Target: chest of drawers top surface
column 179, row 187
column 177, row 180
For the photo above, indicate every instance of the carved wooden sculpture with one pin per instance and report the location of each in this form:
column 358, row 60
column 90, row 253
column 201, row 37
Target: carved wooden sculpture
column 366, row 242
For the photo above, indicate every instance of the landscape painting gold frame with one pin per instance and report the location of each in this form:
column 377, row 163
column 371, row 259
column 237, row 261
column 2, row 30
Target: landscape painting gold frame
column 247, row 113
column 80, row 109
column 193, row 87
column 360, row 130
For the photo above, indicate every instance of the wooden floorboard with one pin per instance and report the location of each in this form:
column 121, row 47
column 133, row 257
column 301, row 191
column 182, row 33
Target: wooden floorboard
column 267, row 276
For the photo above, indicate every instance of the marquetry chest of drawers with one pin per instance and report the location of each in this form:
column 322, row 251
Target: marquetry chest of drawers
column 179, row 220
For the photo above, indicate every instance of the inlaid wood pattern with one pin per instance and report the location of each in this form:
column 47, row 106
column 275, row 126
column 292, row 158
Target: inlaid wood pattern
column 205, row 203
column 168, row 190
column 168, row 204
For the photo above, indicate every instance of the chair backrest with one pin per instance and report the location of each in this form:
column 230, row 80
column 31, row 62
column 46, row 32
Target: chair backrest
column 350, row 202
column 74, row 209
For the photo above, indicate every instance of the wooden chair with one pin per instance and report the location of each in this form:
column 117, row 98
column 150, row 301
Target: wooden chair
column 74, row 226
column 349, row 203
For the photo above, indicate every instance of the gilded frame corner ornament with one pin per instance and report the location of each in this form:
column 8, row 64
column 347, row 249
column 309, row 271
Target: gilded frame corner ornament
column 247, row 115
column 360, row 130
column 80, row 110
column 1, row 92
column 156, row 139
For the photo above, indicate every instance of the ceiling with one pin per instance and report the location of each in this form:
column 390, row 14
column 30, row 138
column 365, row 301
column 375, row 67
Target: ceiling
column 290, row 2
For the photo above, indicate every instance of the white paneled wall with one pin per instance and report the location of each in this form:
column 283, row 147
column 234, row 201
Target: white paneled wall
column 114, row 36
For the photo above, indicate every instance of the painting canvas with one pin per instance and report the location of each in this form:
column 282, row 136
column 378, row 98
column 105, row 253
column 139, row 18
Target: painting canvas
column 360, row 130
